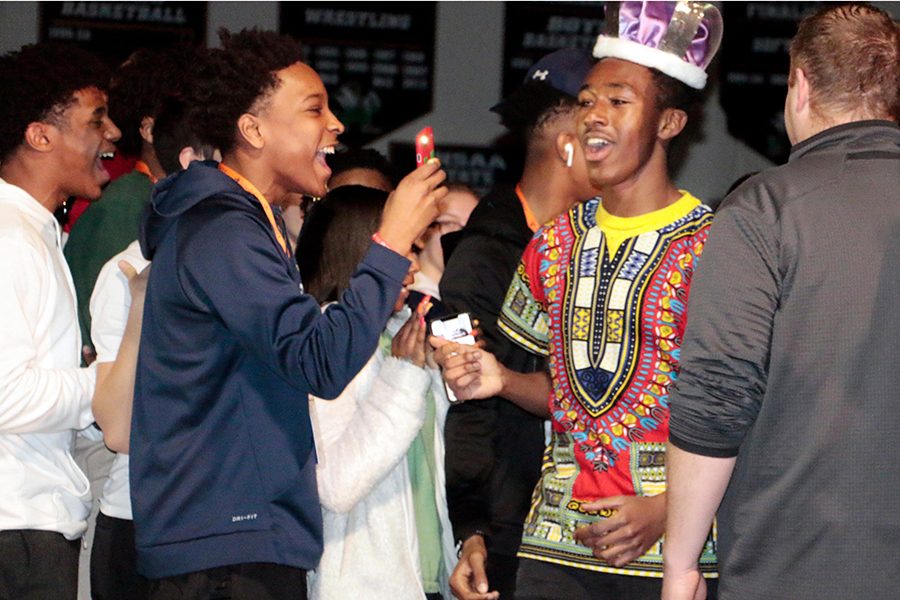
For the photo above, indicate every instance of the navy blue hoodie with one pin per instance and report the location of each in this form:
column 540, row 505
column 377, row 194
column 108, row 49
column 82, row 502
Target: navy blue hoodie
column 222, row 460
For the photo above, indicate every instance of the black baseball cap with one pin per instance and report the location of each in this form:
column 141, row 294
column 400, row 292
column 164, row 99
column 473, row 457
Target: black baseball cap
column 553, row 78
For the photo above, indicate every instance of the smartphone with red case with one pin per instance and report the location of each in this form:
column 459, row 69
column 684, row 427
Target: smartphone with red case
column 424, row 146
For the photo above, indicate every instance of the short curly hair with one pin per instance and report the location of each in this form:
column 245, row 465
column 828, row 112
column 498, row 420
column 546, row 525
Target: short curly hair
column 138, row 87
column 172, row 132
column 40, row 81
column 231, row 80
column 672, row 93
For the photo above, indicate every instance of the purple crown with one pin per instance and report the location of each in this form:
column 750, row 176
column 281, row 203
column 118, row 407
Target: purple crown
column 678, row 38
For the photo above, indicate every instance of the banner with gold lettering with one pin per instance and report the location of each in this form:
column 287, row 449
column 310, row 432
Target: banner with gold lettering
column 534, row 29
column 113, row 30
column 754, row 63
column 375, row 58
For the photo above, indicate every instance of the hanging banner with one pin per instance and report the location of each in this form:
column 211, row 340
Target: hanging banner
column 375, row 59
column 535, row 29
column 113, row 30
column 754, row 62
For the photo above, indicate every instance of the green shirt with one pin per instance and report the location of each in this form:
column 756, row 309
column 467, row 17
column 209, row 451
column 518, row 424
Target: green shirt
column 420, row 461
column 105, row 229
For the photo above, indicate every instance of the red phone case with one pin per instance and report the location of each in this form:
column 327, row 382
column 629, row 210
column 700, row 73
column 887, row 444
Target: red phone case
column 424, row 146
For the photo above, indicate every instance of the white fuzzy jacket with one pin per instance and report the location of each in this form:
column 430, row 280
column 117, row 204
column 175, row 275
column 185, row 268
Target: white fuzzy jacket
column 362, row 437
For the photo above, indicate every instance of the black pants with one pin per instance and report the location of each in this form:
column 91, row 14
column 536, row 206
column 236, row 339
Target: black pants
column 501, row 573
column 37, row 565
column 540, row 580
column 114, row 573
column 251, row 581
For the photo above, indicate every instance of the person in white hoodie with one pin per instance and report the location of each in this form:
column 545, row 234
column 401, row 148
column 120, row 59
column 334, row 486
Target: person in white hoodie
column 54, row 129
column 380, row 444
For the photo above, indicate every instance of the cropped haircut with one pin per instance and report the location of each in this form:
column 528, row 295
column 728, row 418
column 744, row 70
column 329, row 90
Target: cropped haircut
column 671, row 93
column 172, row 133
column 39, row 83
column 531, row 106
column 237, row 78
column 138, row 87
column 337, row 232
column 850, row 53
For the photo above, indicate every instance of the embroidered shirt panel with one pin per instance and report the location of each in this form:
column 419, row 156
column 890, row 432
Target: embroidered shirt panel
column 612, row 327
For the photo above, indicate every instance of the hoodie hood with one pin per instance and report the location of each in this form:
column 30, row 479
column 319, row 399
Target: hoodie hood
column 178, row 193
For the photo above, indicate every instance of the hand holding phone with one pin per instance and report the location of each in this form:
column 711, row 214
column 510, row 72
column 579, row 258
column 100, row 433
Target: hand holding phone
column 415, row 204
column 455, row 328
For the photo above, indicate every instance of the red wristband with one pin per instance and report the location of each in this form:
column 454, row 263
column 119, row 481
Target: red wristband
column 376, row 237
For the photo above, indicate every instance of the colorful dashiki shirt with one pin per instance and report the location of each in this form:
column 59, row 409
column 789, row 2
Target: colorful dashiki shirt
column 605, row 297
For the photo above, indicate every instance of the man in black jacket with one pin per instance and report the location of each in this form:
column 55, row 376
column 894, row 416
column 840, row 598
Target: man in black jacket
column 787, row 400
column 493, row 448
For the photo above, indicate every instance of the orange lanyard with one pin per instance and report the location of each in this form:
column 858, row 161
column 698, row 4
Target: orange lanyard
column 533, row 225
column 251, row 189
column 142, row 168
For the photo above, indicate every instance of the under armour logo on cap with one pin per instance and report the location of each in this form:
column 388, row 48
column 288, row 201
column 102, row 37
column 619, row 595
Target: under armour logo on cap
column 561, row 71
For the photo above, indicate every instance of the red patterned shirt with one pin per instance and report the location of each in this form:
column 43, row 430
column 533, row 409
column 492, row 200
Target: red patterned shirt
column 605, row 299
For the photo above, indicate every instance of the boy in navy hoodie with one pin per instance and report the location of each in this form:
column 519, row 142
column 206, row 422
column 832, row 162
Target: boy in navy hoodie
column 222, row 459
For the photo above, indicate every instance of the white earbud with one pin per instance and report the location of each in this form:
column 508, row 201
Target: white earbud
column 570, row 153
